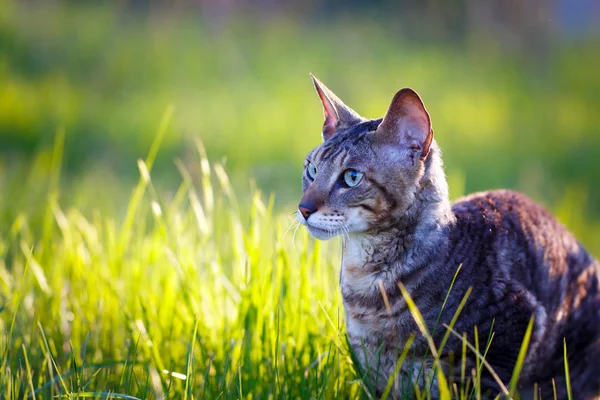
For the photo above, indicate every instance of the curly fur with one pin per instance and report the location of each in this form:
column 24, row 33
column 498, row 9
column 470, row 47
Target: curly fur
column 399, row 226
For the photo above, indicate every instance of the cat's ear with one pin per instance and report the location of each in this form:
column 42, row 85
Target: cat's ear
column 336, row 113
column 407, row 123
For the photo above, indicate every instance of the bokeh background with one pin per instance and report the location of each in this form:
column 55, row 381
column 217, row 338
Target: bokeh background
column 109, row 280
column 513, row 88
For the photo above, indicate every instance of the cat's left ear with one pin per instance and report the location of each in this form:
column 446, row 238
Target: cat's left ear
column 407, row 123
column 336, row 113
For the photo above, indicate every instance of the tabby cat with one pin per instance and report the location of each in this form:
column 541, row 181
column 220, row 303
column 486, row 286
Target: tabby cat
column 381, row 185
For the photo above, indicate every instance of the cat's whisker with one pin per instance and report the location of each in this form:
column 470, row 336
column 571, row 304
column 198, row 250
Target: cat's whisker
column 347, row 233
column 294, row 236
column 293, row 224
column 343, row 231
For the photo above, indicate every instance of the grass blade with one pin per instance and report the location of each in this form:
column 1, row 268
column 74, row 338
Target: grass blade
column 521, row 358
column 418, row 317
column 567, row 374
column 501, row 384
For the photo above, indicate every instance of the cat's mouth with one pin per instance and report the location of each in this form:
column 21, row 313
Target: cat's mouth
column 321, row 234
column 320, row 229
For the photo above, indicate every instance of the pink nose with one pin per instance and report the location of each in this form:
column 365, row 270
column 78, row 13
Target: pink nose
column 305, row 211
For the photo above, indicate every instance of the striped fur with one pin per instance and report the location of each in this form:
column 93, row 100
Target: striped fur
column 398, row 226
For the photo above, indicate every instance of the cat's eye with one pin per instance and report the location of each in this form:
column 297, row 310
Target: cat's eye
column 311, row 169
column 352, row 177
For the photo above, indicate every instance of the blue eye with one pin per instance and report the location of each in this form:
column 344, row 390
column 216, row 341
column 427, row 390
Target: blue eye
column 311, row 169
column 352, row 177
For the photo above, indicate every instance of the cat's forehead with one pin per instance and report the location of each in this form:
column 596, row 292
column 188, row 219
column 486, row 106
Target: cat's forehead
column 349, row 142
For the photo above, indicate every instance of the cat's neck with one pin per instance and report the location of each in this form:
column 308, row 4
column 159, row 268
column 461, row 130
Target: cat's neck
column 412, row 239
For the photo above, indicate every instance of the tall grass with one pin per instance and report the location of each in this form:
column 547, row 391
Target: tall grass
column 186, row 297
column 194, row 292
column 183, row 298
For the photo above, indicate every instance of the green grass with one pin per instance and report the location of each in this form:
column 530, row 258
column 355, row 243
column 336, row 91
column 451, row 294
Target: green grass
column 185, row 297
column 176, row 279
column 104, row 74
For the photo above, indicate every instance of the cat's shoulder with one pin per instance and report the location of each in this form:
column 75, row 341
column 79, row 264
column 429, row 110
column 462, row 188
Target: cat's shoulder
column 499, row 207
column 508, row 223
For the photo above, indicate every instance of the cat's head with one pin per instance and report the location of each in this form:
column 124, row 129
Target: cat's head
column 367, row 173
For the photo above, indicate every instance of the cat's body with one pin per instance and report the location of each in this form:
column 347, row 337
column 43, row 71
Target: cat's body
column 399, row 226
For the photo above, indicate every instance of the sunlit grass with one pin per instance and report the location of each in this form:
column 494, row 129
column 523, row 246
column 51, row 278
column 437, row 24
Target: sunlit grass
column 182, row 298
column 105, row 73
column 112, row 289
column 187, row 297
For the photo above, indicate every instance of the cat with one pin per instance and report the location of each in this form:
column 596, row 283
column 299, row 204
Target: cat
column 381, row 185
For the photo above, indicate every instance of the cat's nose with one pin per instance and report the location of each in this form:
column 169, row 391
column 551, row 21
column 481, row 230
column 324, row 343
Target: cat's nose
column 306, row 209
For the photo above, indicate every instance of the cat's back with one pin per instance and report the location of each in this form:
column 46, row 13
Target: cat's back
column 516, row 224
column 502, row 209
column 514, row 246
column 522, row 237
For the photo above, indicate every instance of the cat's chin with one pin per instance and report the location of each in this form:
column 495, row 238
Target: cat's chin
column 320, row 234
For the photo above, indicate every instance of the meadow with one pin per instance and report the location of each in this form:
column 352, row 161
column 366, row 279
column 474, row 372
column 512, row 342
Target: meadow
column 150, row 166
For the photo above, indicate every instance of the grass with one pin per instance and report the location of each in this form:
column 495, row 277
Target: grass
column 104, row 74
column 184, row 298
column 176, row 280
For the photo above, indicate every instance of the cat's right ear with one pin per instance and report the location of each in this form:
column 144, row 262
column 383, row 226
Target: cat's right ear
column 407, row 124
column 336, row 113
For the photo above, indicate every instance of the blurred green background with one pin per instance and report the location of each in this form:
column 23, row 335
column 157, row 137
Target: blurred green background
column 90, row 256
column 513, row 89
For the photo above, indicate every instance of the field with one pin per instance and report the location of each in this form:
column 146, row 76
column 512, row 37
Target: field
column 150, row 166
